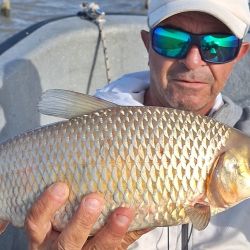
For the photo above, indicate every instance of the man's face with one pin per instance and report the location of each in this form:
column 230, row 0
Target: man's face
column 190, row 83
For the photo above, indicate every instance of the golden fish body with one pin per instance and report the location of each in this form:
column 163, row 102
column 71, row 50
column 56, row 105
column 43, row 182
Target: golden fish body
column 159, row 161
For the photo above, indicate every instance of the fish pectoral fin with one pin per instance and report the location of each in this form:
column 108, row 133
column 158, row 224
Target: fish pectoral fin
column 199, row 215
column 68, row 104
column 3, row 225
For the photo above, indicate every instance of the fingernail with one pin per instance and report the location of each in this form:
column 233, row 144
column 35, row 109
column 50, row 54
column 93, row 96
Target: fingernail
column 122, row 219
column 91, row 203
column 58, row 190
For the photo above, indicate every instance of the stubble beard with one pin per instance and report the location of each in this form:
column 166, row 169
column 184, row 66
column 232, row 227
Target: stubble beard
column 188, row 102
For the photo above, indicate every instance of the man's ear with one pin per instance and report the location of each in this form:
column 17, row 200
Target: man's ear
column 245, row 47
column 145, row 38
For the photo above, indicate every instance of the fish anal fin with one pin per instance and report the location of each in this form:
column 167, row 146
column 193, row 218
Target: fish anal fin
column 68, row 104
column 3, row 225
column 199, row 214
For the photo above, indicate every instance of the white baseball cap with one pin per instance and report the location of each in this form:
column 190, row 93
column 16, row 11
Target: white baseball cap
column 233, row 13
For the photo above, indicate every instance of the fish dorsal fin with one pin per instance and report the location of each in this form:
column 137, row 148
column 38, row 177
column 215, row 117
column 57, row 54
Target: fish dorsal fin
column 199, row 215
column 68, row 104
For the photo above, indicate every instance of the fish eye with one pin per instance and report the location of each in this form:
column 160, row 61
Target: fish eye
column 231, row 165
column 236, row 167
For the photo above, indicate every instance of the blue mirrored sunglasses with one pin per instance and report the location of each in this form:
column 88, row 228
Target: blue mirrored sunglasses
column 214, row 48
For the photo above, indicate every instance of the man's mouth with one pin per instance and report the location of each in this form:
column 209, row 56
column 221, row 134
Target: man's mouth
column 191, row 84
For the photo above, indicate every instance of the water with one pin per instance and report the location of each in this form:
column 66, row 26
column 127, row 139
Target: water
column 27, row 12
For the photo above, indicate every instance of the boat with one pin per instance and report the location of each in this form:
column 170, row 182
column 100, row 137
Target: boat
column 79, row 53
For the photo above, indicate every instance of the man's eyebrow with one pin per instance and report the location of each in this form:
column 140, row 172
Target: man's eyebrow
column 168, row 25
column 172, row 26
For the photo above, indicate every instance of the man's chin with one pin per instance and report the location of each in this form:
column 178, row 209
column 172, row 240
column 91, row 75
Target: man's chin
column 188, row 105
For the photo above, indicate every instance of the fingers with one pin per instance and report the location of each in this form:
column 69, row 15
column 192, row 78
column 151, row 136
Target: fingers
column 38, row 220
column 111, row 235
column 77, row 231
column 131, row 237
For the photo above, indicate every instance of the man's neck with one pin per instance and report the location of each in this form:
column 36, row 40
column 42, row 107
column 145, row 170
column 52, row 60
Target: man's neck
column 150, row 100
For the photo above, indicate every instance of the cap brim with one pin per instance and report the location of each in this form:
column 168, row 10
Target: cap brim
column 236, row 25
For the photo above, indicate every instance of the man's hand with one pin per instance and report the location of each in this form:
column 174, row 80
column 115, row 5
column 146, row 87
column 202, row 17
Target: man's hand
column 76, row 234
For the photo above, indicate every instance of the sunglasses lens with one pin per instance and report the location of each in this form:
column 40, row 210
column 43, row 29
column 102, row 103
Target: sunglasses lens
column 170, row 42
column 219, row 48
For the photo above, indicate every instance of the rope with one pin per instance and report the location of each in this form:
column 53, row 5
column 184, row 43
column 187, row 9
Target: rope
column 184, row 237
column 106, row 58
column 92, row 12
column 93, row 65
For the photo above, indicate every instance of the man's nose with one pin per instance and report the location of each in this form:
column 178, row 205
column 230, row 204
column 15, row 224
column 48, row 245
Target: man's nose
column 193, row 59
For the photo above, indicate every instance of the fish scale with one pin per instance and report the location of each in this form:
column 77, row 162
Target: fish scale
column 153, row 159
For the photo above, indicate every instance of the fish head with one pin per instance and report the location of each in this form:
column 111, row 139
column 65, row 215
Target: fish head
column 229, row 181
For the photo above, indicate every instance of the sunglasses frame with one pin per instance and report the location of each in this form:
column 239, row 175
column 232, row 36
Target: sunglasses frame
column 195, row 40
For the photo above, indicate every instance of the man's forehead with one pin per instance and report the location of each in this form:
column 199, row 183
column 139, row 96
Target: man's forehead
column 197, row 19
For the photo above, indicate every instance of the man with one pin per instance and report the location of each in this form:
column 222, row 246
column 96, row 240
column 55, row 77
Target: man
column 193, row 46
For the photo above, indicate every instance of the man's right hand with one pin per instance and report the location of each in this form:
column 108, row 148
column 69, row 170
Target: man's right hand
column 75, row 235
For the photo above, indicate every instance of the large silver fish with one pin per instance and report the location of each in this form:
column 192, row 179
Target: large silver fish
column 172, row 166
